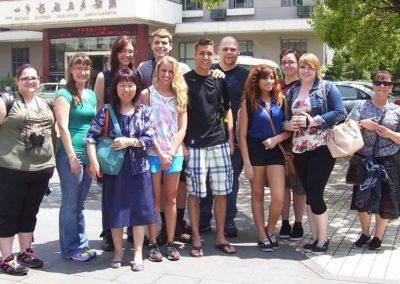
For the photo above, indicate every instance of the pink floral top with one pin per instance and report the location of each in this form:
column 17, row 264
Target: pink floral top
column 306, row 139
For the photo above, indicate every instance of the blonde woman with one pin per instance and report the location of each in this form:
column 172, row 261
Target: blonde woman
column 168, row 99
column 75, row 107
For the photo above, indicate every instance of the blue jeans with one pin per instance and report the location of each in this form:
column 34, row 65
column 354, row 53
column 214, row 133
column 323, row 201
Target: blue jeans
column 74, row 189
column 206, row 203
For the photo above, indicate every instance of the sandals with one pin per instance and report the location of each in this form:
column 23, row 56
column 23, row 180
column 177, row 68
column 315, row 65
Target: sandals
column 225, row 248
column 196, row 251
column 136, row 267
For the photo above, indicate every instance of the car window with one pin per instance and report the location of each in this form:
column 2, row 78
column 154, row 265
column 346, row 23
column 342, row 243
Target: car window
column 363, row 95
column 347, row 93
column 49, row 88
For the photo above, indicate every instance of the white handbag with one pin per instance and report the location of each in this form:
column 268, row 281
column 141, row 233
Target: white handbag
column 345, row 139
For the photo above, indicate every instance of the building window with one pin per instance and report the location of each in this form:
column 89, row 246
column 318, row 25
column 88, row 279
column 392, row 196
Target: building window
column 186, row 53
column 299, row 44
column 241, row 4
column 20, row 56
column 288, row 3
column 190, row 5
column 246, row 48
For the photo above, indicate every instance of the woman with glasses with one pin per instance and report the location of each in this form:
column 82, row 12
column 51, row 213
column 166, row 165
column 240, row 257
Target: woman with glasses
column 75, row 107
column 313, row 106
column 369, row 115
column 127, row 197
column 122, row 56
column 289, row 59
column 26, row 165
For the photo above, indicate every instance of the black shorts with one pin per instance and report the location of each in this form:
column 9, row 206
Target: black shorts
column 259, row 156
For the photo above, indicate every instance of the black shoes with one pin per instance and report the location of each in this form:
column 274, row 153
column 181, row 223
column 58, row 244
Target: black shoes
column 320, row 247
column 374, row 244
column 107, row 243
column 362, row 241
column 294, row 233
column 309, row 245
column 29, row 259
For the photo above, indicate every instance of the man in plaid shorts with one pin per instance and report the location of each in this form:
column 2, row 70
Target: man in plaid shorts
column 209, row 138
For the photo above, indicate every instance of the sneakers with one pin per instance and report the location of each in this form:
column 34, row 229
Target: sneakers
column 374, row 244
column 29, row 259
column 362, row 241
column 285, row 230
column 81, row 256
column 309, row 245
column 265, row 245
column 274, row 241
column 12, row 267
column 297, row 232
column 320, row 247
column 155, row 253
column 172, row 253
column 92, row 253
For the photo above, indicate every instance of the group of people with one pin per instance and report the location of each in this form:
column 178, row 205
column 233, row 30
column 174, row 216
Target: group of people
column 185, row 137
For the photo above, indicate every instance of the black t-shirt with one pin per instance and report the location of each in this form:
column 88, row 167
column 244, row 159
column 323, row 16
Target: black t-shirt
column 235, row 80
column 208, row 100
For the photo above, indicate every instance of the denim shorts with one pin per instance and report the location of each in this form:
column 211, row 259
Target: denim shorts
column 176, row 165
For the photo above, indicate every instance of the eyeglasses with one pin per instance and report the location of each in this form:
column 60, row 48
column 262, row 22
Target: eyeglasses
column 80, row 69
column 382, row 83
column 308, row 68
column 290, row 63
column 27, row 79
column 127, row 51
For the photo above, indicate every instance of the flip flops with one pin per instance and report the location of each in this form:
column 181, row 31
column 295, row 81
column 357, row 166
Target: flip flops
column 196, row 251
column 225, row 248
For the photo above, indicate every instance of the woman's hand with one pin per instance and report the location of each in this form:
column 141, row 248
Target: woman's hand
column 185, row 151
column 94, row 169
column 271, row 142
column 166, row 160
column 122, row 143
column 74, row 164
column 308, row 121
column 248, row 171
column 384, row 132
column 293, row 124
column 369, row 124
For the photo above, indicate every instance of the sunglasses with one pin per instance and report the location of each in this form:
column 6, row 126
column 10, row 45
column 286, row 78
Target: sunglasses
column 384, row 83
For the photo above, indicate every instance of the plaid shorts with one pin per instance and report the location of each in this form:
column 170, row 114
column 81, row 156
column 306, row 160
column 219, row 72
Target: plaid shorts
column 213, row 161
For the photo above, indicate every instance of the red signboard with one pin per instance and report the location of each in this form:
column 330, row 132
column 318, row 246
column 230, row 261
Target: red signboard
column 99, row 31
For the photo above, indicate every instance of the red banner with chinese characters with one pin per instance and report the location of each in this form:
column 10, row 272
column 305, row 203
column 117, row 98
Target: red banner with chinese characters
column 99, row 31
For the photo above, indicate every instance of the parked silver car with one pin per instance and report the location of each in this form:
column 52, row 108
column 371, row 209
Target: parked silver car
column 353, row 91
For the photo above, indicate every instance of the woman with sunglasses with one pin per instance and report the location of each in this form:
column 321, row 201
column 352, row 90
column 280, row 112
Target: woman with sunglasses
column 75, row 107
column 368, row 114
column 26, row 165
column 313, row 106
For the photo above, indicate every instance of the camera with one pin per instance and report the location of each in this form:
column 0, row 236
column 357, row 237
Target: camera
column 36, row 139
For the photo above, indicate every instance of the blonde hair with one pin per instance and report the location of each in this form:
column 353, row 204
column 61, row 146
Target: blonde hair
column 162, row 33
column 78, row 59
column 312, row 60
column 178, row 82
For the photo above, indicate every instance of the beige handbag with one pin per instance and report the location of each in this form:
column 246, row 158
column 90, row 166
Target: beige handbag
column 345, row 139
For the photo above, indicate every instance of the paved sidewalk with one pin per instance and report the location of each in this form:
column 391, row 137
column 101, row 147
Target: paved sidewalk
column 342, row 264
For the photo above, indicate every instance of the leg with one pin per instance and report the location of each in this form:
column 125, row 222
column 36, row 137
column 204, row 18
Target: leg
column 380, row 227
column 365, row 220
column 286, row 205
column 276, row 179
column 299, row 204
column 138, row 237
column 84, row 188
column 206, row 205
column 194, row 215
column 117, row 234
column 231, row 209
column 6, row 246
column 257, row 200
column 312, row 223
column 156, row 178
column 170, row 189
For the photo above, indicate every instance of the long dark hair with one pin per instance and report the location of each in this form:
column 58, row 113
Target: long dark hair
column 124, row 75
column 77, row 59
column 119, row 44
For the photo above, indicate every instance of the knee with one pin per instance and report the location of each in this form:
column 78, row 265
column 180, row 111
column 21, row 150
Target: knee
column 169, row 201
column 318, row 208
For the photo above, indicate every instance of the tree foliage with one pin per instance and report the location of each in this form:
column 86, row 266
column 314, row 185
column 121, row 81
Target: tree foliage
column 368, row 30
column 210, row 3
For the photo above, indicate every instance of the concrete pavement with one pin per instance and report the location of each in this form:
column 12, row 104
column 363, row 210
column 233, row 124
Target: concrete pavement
column 342, row 264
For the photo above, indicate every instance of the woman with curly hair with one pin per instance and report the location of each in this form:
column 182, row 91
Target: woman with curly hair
column 262, row 114
column 168, row 99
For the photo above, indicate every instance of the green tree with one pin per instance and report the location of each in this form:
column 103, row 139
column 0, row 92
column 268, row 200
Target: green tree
column 369, row 31
column 210, row 3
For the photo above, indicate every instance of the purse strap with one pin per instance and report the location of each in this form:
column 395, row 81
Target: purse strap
column 114, row 120
column 273, row 129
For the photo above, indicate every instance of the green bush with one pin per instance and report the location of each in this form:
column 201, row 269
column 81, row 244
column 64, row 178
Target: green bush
column 9, row 81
